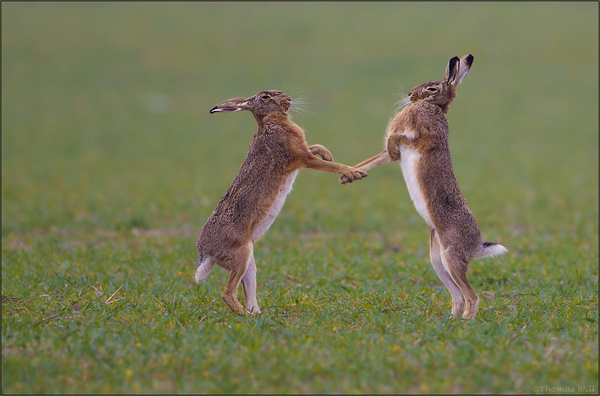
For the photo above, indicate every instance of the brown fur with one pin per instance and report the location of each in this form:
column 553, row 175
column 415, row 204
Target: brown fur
column 455, row 238
column 277, row 150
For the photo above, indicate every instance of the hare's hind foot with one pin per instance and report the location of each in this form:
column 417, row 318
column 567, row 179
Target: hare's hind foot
column 471, row 309
column 233, row 304
column 249, row 286
column 237, row 308
column 253, row 310
column 458, row 308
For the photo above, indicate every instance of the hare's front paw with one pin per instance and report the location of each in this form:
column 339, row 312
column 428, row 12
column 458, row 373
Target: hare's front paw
column 326, row 155
column 317, row 149
column 345, row 179
column 354, row 174
column 393, row 151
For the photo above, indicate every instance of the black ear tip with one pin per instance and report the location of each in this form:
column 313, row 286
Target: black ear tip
column 470, row 59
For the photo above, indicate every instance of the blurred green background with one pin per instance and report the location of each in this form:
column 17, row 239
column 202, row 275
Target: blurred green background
column 111, row 163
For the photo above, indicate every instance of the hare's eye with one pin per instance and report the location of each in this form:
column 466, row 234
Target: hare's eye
column 432, row 89
column 265, row 97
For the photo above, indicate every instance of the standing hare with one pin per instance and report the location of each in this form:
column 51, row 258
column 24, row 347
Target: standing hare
column 256, row 195
column 417, row 137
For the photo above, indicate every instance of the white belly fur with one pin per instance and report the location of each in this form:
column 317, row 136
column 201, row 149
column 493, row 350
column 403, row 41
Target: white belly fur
column 409, row 159
column 266, row 222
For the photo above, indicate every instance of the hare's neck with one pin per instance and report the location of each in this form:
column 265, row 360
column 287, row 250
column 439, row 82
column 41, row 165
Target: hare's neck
column 431, row 108
column 282, row 125
column 272, row 118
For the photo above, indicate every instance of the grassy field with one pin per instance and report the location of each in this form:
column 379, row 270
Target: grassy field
column 111, row 163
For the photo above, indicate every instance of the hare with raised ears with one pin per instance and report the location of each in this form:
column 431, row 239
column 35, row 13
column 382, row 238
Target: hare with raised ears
column 417, row 137
column 256, row 195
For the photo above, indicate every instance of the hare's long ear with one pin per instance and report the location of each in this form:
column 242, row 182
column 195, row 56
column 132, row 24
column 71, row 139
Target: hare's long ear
column 464, row 67
column 452, row 70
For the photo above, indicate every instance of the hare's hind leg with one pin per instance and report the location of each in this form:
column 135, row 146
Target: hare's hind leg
column 435, row 254
column 249, row 285
column 238, row 265
column 457, row 267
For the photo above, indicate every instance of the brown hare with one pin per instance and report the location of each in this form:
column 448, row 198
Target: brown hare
column 417, row 137
column 256, row 195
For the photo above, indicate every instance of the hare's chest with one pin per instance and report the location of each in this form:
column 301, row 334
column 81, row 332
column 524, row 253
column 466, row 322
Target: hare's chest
column 409, row 163
column 266, row 222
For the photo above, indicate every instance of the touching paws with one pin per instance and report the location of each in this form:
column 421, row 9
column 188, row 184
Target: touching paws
column 353, row 174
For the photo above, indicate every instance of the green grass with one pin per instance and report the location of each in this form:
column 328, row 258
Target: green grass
column 111, row 163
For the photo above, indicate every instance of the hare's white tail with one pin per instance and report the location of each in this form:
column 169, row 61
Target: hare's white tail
column 205, row 266
column 490, row 249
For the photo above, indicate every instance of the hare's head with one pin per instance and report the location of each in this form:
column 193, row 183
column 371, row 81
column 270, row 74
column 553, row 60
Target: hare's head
column 442, row 92
column 261, row 104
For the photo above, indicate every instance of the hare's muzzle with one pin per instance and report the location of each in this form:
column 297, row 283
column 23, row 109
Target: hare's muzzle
column 231, row 105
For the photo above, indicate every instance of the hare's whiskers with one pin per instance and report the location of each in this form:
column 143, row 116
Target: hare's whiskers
column 402, row 103
column 300, row 105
